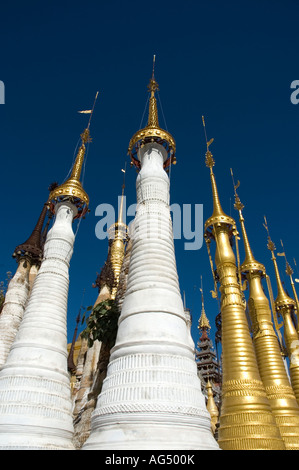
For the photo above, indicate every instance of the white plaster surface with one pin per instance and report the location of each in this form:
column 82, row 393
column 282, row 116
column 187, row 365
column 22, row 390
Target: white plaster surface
column 35, row 402
column 13, row 308
column 151, row 397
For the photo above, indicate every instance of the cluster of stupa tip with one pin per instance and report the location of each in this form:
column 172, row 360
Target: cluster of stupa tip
column 150, row 388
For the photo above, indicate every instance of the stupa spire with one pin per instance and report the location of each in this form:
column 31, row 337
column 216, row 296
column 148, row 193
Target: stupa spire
column 289, row 271
column 151, row 397
column 207, row 362
column 153, row 120
column 282, row 297
column 218, row 213
column 152, row 132
column 32, row 247
column 212, row 407
column 72, row 187
column 249, row 261
column 268, row 352
column 245, row 410
column 203, row 321
column 285, row 307
column 36, row 371
column 118, row 234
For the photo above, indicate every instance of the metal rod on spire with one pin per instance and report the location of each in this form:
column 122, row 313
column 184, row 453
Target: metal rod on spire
column 210, row 141
column 124, row 172
column 204, row 127
column 235, row 185
column 154, row 60
column 90, row 111
column 271, row 245
column 94, row 103
column 289, row 271
column 201, row 290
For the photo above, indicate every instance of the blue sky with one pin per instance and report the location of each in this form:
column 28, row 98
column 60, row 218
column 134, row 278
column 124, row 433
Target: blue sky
column 232, row 62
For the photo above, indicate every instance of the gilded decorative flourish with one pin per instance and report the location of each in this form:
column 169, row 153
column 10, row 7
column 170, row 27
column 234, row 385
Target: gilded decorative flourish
column 72, row 187
column 210, row 162
column 152, row 132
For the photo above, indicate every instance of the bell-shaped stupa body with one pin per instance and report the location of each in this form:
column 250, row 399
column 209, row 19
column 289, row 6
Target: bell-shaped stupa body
column 151, row 397
column 35, row 398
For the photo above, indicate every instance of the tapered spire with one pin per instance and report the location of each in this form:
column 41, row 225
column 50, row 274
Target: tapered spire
column 218, row 215
column 282, row 299
column 72, row 187
column 118, row 234
column 268, row 352
column 246, row 419
column 153, row 120
column 33, row 247
column 249, row 262
column 285, row 307
column 203, row 321
column 212, row 407
column 289, row 271
column 152, row 132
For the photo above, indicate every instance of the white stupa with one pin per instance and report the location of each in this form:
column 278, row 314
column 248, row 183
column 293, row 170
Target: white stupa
column 151, row 397
column 28, row 256
column 35, row 399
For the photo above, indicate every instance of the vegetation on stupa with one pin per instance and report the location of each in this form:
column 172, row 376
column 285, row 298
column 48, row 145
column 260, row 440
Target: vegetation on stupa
column 102, row 323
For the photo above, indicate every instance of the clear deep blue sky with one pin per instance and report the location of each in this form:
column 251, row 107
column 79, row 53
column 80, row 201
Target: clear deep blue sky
column 232, row 62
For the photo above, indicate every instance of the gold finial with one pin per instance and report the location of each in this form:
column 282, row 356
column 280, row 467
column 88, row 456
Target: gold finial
column 250, row 263
column 203, row 321
column 154, row 61
column 211, row 406
column 152, row 132
column 238, row 204
column 119, row 230
column 118, row 236
column 153, row 121
column 72, row 187
column 218, row 215
column 270, row 244
column 289, row 271
column 210, row 162
column 282, row 298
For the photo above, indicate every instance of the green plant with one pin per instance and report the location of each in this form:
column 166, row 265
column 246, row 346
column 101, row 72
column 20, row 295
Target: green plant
column 102, row 323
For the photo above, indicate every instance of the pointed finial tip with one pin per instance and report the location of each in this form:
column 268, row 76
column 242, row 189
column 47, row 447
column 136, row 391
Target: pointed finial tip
column 238, row 204
column 153, row 71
